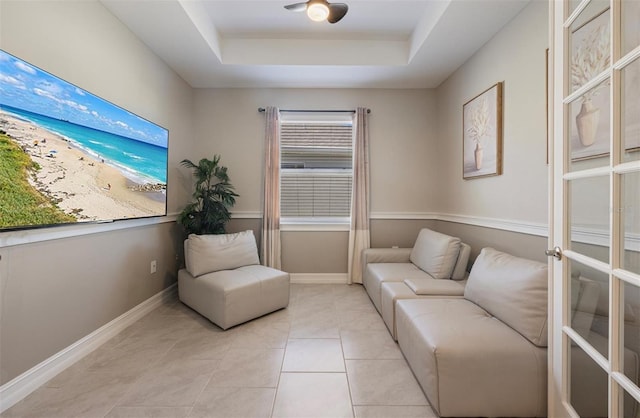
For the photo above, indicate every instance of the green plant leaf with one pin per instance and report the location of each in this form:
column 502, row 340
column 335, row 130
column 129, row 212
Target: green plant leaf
column 213, row 196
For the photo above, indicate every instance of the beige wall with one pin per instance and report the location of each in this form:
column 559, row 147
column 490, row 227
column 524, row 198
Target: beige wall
column 515, row 56
column 56, row 292
column 402, row 133
column 520, row 245
column 397, row 232
column 326, row 252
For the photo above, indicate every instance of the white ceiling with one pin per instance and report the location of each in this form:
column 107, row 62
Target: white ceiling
column 258, row 43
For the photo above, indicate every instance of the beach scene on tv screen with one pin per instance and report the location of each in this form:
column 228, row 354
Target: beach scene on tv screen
column 69, row 156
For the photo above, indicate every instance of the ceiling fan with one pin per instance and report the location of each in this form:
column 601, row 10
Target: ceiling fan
column 319, row 10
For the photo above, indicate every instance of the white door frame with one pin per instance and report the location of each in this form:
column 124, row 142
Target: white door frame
column 557, row 392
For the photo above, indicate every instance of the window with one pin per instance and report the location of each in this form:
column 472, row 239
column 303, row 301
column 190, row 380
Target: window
column 316, row 168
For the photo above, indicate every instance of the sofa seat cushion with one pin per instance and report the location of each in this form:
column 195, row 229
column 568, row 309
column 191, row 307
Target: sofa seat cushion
column 512, row 289
column 391, row 292
column 470, row 363
column 435, row 253
column 433, row 287
column 231, row 297
column 377, row 273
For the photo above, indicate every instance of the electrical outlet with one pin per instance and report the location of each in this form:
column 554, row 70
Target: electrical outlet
column 153, row 266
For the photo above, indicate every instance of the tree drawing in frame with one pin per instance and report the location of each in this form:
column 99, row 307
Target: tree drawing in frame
column 590, row 56
column 482, row 134
column 630, row 78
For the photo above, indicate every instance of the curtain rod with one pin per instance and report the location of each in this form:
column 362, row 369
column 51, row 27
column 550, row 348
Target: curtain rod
column 262, row 109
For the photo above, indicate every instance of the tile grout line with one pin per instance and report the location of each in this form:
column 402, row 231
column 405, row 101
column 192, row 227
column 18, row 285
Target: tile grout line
column 346, row 374
column 284, row 353
column 343, row 327
column 147, row 369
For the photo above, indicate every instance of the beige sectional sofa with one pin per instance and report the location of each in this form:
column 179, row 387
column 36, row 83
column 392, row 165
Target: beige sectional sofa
column 484, row 354
column 478, row 347
column 436, row 266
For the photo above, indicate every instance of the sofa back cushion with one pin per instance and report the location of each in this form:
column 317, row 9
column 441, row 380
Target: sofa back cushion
column 208, row 253
column 435, row 253
column 584, row 299
column 460, row 268
column 512, row 289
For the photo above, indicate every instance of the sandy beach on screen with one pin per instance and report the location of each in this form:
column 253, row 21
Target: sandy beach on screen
column 81, row 185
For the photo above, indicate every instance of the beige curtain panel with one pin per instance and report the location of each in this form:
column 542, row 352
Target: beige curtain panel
column 359, row 235
column 271, row 249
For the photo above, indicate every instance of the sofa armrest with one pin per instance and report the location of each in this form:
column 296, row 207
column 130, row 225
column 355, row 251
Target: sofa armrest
column 385, row 255
column 436, row 287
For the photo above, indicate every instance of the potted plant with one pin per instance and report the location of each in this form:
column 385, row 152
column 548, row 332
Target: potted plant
column 213, row 196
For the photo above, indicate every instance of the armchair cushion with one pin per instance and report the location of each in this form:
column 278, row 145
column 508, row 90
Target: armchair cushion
column 435, row 253
column 208, row 253
column 512, row 289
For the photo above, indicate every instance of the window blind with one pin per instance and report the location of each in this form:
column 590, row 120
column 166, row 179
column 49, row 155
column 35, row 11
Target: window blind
column 316, row 169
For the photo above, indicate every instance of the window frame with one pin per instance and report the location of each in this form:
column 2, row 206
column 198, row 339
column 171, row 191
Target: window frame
column 309, row 223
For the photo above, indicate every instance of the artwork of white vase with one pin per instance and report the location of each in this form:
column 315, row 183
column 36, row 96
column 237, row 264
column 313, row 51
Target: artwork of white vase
column 587, row 122
column 480, row 128
column 478, row 155
column 590, row 57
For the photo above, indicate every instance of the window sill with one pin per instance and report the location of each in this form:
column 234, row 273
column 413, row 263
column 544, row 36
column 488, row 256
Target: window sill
column 310, row 225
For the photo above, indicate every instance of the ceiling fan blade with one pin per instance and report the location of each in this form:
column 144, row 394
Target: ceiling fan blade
column 297, row 7
column 337, row 12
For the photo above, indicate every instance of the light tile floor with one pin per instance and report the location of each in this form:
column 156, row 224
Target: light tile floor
column 327, row 355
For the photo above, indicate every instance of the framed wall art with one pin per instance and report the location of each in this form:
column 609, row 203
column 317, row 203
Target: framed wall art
column 590, row 122
column 590, row 56
column 482, row 134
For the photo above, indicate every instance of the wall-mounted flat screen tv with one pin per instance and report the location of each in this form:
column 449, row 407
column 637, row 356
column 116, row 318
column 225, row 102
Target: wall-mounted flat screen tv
column 68, row 156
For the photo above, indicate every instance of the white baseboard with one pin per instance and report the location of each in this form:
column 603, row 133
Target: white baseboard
column 318, row 278
column 20, row 387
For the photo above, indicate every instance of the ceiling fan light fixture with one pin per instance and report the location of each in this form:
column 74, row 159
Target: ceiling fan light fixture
column 318, row 12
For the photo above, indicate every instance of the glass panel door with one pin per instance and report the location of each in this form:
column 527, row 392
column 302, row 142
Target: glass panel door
column 595, row 193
